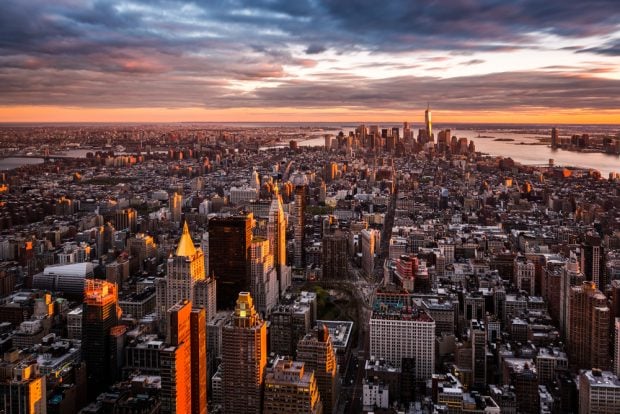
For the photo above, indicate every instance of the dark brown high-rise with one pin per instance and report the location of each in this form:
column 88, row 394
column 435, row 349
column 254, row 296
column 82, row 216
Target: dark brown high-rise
column 590, row 323
column 100, row 315
column 229, row 256
column 555, row 138
column 592, row 260
column 317, row 352
column 335, row 255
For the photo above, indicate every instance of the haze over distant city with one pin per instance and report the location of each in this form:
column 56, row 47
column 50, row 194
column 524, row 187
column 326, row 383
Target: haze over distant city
column 326, row 60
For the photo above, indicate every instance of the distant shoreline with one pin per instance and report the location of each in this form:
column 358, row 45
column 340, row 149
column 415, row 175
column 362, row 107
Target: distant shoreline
column 471, row 125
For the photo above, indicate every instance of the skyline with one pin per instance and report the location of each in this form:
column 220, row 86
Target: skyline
column 309, row 61
column 309, row 269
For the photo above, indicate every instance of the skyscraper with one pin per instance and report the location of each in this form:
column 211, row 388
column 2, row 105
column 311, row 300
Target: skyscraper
column 589, row 320
column 369, row 243
column 205, row 296
column 229, row 258
column 100, row 313
column 592, row 260
column 478, row 340
column 428, row 123
column 443, row 139
column 300, row 182
column 398, row 332
column 204, row 245
column 264, row 281
column 244, row 357
column 571, row 276
column 290, row 388
column 288, row 324
column 22, row 387
column 176, row 361
column 617, row 346
column 126, row 219
column 255, row 181
column 198, row 340
column 276, row 233
column 330, row 171
column 183, row 361
column 335, row 255
column 175, row 204
column 407, row 132
column 316, row 351
column 184, row 269
column 554, row 138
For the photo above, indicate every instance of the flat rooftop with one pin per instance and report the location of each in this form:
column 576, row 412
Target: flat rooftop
column 339, row 331
column 391, row 311
column 599, row 378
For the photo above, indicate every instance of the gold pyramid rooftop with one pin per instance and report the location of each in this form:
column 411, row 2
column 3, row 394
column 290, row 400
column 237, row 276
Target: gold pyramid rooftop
column 186, row 245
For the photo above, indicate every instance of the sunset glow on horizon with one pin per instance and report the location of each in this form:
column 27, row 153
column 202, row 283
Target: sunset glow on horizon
column 28, row 114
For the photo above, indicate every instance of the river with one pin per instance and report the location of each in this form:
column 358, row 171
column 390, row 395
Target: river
column 16, row 162
column 524, row 154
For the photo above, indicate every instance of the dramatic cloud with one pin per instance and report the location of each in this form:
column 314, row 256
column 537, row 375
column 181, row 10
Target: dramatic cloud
column 304, row 53
column 487, row 92
column 611, row 48
column 315, row 49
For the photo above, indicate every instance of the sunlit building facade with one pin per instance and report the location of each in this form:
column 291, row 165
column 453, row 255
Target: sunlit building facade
column 291, row 389
column 184, row 269
column 244, row 358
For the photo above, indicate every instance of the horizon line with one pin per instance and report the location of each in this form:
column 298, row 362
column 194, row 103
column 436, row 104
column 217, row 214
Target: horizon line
column 4, row 123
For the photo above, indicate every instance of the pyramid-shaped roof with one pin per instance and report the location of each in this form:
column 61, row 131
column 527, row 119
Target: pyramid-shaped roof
column 186, row 245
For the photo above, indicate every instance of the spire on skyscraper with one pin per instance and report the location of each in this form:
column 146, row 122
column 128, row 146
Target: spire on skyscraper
column 186, row 245
column 427, row 121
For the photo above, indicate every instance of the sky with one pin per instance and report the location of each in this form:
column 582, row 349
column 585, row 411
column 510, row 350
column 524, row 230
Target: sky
column 513, row 61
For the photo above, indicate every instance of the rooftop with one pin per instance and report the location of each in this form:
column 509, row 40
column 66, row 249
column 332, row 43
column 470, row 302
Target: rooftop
column 339, row 331
column 392, row 311
column 598, row 378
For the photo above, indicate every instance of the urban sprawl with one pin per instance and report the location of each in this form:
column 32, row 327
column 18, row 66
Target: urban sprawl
column 188, row 268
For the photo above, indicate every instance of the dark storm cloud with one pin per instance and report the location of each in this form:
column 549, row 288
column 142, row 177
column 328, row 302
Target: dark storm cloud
column 176, row 53
column 421, row 24
column 476, row 20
